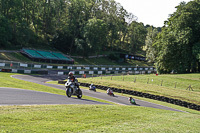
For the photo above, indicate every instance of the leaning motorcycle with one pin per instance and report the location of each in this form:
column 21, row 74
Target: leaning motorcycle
column 110, row 92
column 71, row 89
column 92, row 88
column 132, row 100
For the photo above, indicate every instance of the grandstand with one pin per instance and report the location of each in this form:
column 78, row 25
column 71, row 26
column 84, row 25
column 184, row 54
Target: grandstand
column 47, row 56
column 32, row 53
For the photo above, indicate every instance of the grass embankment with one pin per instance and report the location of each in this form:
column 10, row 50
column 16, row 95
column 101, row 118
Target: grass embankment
column 14, row 56
column 85, row 61
column 173, row 86
column 107, row 61
column 95, row 118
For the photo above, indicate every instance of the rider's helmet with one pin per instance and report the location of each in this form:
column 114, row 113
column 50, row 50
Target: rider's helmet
column 70, row 74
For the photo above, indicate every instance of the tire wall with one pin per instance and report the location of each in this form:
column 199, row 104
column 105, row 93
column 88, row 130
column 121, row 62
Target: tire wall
column 146, row 95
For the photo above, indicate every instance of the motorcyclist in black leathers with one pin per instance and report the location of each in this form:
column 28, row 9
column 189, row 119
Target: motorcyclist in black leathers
column 73, row 79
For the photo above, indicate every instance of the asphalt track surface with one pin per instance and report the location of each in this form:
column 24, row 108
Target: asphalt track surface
column 11, row 96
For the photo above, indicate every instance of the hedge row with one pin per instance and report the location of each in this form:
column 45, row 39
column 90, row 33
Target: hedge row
column 146, row 95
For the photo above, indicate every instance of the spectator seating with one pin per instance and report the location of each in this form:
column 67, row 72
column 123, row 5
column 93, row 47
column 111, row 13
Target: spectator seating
column 60, row 56
column 46, row 56
column 32, row 53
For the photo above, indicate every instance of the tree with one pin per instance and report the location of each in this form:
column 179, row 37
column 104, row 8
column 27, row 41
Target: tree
column 150, row 39
column 5, row 32
column 137, row 33
column 196, row 53
column 175, row 43
column 95, row 33
column 69, row 25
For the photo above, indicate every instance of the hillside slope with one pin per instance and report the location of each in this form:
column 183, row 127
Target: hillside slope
column 18, row 57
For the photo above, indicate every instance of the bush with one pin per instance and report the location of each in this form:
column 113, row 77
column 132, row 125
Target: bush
column 113, row 57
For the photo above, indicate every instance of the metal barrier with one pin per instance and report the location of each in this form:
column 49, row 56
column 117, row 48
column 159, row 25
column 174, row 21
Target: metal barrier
column 77, row 69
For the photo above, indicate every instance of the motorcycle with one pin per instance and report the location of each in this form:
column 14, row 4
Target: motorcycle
column 92, row 88
column 132, row 101
column 110, row 92
column 71, row 89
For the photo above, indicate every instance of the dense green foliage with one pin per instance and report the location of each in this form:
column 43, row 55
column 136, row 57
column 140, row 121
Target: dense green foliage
column 80, row 27
column 177, row 47
column 88, row 27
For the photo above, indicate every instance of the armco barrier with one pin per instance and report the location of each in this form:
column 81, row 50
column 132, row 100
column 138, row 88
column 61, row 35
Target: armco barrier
column 25, row 71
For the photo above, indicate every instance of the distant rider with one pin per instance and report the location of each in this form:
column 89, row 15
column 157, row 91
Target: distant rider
column 109, row 91
column 92, row 87
column 132, row 100
column 73, row 79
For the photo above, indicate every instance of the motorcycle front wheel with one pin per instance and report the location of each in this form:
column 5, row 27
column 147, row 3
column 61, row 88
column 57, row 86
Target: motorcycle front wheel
column 79, row 95
column 69, row 92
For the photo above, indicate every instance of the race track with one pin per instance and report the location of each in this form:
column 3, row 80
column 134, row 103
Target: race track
column 12, row 96
column 33, row 97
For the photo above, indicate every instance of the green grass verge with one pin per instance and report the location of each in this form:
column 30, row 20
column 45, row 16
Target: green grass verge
column 154, row 85
column 95, row 118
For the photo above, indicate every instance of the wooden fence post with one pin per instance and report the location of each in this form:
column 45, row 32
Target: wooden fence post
column 135, row 80
column 161, row 82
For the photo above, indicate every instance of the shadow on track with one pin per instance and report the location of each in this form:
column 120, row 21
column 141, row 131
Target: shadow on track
column 87, row 100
